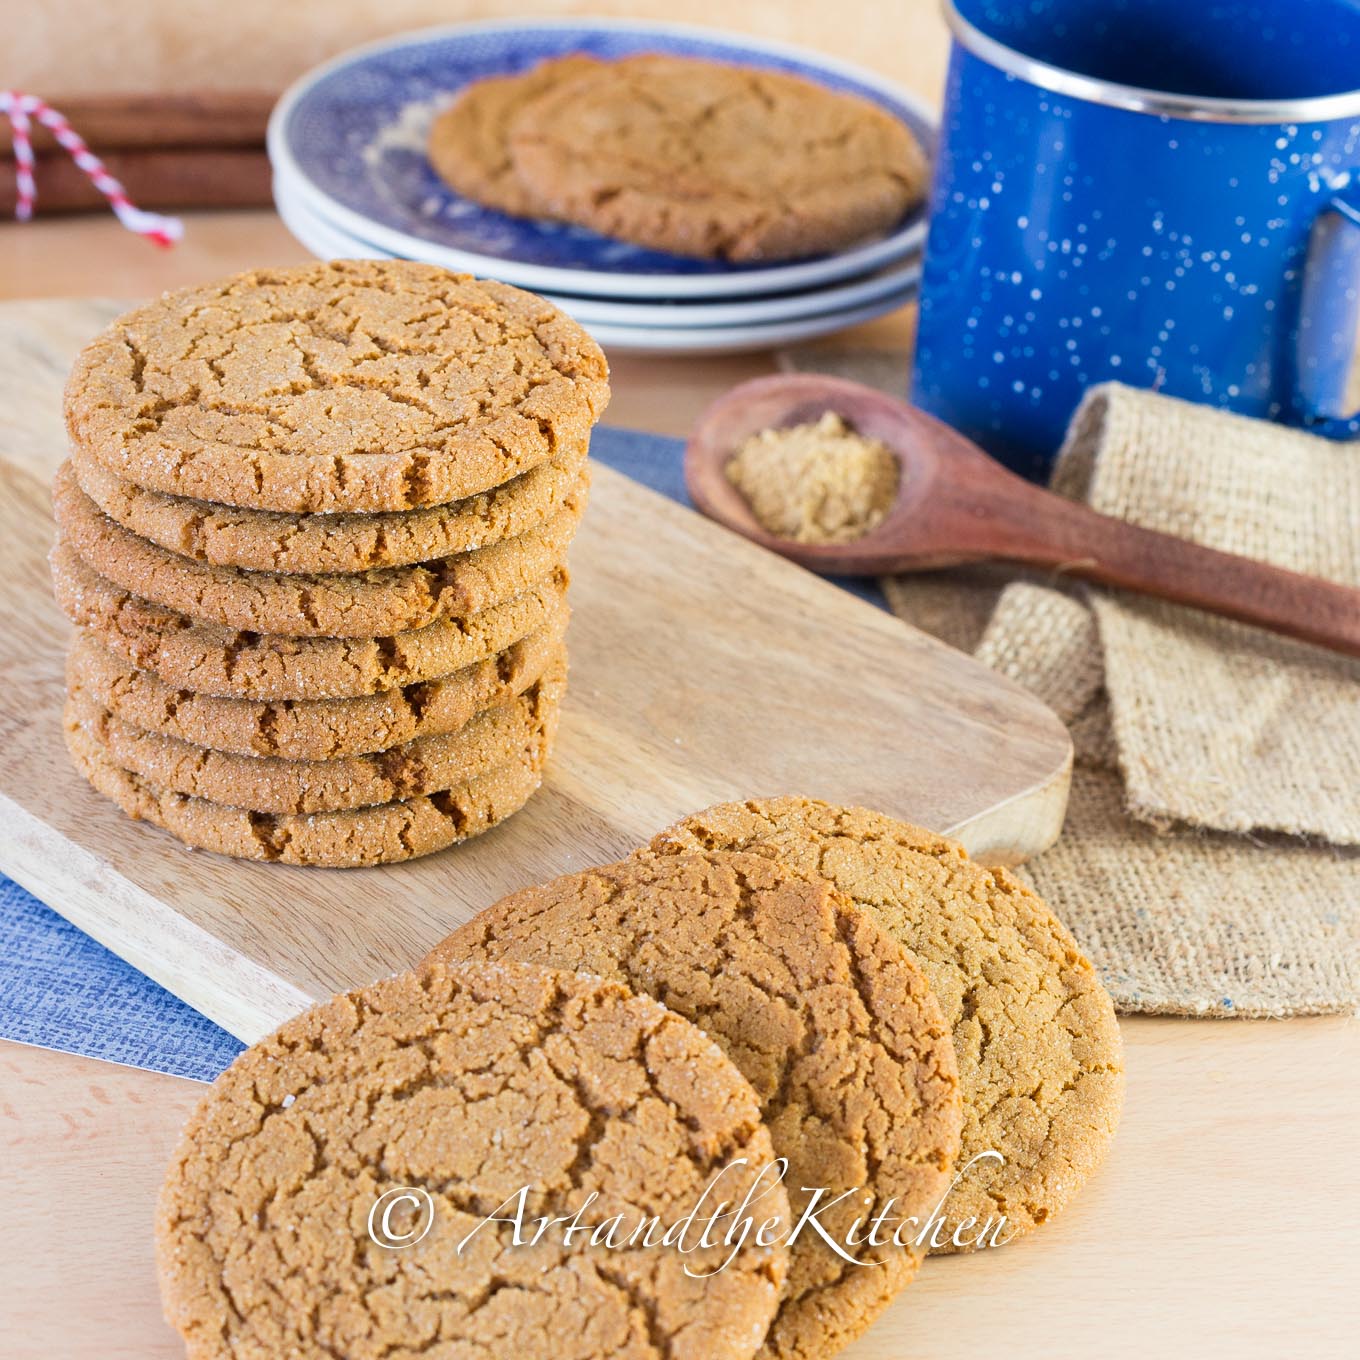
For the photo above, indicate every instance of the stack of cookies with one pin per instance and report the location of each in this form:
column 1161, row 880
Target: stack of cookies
column 313, row 533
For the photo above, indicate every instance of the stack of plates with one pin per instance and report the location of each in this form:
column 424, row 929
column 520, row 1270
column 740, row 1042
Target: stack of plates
column 351, row 179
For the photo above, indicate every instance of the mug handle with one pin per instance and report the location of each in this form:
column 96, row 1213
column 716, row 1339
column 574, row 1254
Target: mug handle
column 1328, row 353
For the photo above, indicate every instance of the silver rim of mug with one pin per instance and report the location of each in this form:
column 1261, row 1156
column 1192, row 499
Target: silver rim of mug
column 1161, row 103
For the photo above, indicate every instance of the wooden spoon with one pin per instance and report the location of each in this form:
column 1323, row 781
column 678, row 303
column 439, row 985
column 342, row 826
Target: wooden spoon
column 955, row 504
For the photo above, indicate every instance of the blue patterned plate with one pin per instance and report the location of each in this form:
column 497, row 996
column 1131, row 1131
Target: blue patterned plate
column 348, row 140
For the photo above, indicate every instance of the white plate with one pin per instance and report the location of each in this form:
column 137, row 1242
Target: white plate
column 348, row 139
column 329, row 242
column 739, row 339
column 325, row 241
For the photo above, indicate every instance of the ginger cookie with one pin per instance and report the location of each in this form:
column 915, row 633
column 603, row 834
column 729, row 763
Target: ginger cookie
column 384, row 834
column 221, row 661
column 348, row 386
column 392, row 599
column 266, row 540
column 268, row 784
column 311, row 729
column 705, row 159
column 464, row 1089
column 1038, row 1045
column 820, row 1010
column 468, row 147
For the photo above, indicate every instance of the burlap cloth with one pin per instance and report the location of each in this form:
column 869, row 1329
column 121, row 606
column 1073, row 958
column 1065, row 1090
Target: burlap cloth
column 1209, row 861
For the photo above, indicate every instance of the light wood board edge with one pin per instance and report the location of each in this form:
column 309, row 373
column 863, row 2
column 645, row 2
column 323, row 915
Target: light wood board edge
column 1020, row 828
column 141, row 929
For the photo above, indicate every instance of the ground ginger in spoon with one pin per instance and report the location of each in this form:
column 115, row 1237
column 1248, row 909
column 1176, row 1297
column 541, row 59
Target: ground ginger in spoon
column 816, row 483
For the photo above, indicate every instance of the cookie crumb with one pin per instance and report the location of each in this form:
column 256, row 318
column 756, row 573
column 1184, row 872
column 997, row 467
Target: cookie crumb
column 816, row 483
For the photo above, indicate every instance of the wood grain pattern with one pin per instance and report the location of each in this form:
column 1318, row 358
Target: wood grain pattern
column 83, row 1148
column 703, row 669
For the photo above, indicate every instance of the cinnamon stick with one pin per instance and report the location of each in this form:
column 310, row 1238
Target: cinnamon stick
column 125, row 121
column 174, row 178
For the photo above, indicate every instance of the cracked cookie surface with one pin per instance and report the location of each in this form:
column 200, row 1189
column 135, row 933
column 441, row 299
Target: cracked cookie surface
column 267, row 540
column 311, row 729
column 1038, row 1046
column 468, row 144
column 816, row 1005
column 237, row 663
column 467, row 1086
column 711, row 160
column 386, row 600
column 349, row 386
column 268, row 784
column 386, row 833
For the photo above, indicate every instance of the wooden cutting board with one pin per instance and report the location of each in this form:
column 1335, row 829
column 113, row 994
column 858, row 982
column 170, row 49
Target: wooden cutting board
column 702, row 669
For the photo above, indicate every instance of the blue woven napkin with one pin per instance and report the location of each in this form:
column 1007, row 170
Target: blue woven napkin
column 60, row 989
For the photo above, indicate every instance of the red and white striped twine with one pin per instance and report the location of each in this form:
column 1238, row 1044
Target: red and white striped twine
column 22, row 109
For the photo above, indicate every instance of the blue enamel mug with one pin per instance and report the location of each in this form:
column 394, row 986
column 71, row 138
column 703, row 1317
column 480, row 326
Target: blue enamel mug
column 1154, row 191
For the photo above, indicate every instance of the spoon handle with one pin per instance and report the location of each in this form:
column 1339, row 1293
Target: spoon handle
column 1044, row 530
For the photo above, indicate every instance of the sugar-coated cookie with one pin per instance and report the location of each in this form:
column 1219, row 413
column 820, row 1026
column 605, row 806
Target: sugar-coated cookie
column 706, row 159
column 348, row 386
column 1038, row 1045
column 281, row 1227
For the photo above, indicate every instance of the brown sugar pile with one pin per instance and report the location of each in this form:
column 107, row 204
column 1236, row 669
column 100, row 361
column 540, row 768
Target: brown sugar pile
column 816, row 483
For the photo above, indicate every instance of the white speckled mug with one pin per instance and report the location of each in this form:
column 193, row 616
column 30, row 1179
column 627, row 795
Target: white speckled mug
column 1145, row 190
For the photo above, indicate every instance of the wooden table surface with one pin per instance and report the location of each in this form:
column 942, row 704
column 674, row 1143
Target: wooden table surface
column 1226, row 1224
